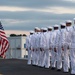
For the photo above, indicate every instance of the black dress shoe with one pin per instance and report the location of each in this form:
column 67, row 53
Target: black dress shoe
column 58, row 69
column 53, row 68
column 33, row 65
column 41, row 67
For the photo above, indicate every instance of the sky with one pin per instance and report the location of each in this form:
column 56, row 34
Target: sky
column 28, row 14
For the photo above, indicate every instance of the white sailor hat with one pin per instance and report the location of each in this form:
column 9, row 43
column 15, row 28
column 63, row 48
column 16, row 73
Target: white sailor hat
column 49, row 27
column 37, row 28
column 68, row 21
column 56, row 25
column 31, row 31
column 44, row 28
column 63, row 24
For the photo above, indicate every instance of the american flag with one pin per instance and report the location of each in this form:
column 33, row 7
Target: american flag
column 4, row 43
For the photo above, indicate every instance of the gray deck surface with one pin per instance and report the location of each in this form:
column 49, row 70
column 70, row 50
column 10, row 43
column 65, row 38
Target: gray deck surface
column 20, row 67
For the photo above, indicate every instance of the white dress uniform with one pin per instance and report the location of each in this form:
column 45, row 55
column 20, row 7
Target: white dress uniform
column 66, row 62
column 65, row 51
column 38, row 48
column 54, row 54
column 72, row 51
column 47, row 51
column 58, row 49
column 51, row 44
column 35, row 53
column 28, row 48
column 33, row 48
column 43, row 47
column 41, row 51
column 61, row 40
column 50, row 40
column 37, row 43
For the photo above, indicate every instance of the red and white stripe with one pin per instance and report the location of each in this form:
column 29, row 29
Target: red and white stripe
column 4, row 43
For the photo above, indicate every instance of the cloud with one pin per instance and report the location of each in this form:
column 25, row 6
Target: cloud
column 26, row 14
column 29, row 3
column 13, row 9
column 37, row 3
column 28, row 20
column 56, row 10
column 62, row 10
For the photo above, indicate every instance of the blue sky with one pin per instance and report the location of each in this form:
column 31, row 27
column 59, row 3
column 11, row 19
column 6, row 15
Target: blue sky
column 27, row 14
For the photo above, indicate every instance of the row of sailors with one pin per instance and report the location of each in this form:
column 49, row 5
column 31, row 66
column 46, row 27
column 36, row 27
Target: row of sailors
column 46, row 46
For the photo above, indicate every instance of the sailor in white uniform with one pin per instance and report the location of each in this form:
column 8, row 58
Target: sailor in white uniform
column 54, row 50
column 72, row 51
column 43, row 47
column 46, row 49
column 34, row 45
column 33, row 48
column 50, row 28
column 37, row 44
column 66, row 62
column 40, row 48
column 28, row 47
column 58, row 49
column 60, row 38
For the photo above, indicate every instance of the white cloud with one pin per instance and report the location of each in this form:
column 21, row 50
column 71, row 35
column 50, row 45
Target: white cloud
column 14, row 21
column 56, row 10
column 12, row 9
column 62, row 10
